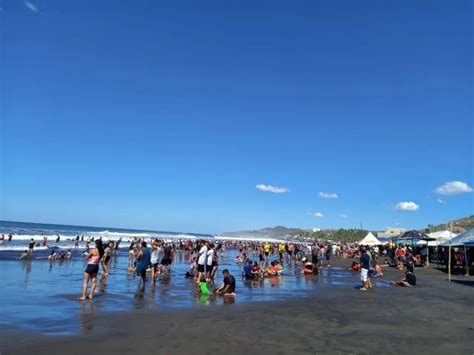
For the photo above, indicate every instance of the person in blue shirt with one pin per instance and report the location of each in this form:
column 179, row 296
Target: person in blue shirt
column 143, row 263
column 248, row 271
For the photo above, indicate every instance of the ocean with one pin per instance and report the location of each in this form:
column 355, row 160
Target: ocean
column 23, row 231
column 40, row 295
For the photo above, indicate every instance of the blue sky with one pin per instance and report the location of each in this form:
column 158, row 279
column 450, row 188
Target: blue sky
column 167, row 115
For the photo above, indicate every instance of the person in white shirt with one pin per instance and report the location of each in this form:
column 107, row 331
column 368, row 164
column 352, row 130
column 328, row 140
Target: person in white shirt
column 210, row 258
column 202, row 258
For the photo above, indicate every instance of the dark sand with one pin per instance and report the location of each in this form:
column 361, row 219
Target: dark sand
column 435, row 317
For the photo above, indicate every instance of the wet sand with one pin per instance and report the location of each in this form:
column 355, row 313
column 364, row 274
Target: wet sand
column 434, row 317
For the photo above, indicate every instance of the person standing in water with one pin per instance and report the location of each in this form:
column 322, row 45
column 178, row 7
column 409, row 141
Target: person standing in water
column 202, row 258
column 105, row 259
column 31, row 245
column 209, row 261
column 155, row 262
column 143, row 258
column 92, row 269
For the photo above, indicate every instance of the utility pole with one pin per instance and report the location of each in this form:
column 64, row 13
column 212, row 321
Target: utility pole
column 449, row 252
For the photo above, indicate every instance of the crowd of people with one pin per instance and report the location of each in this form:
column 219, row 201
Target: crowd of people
column 148, row 260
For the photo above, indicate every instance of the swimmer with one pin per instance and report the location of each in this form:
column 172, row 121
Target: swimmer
column 228, row 285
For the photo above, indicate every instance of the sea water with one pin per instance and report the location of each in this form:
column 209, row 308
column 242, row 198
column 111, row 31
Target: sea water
column 40, row 295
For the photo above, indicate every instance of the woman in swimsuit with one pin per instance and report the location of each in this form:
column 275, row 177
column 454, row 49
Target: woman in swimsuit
column 105, row 260
column 93, row 260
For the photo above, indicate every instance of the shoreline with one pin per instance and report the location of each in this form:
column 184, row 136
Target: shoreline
column 433, row 317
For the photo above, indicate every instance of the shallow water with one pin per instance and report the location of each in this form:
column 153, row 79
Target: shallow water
column 41, row 296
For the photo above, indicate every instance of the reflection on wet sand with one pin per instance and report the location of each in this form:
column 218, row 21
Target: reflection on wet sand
column 86, row 322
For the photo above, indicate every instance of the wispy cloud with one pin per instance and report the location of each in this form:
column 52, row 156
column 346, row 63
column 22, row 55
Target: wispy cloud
column 327, row 195
column 274, row 189
column 453, row 188
column 319, row 214
column 443, row 202
column 343, row 216
column 31, row 6
column 407, row 206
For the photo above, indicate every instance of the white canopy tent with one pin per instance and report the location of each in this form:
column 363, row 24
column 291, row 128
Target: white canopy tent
column 370, row 240
column 440, row 237
column 446, row 235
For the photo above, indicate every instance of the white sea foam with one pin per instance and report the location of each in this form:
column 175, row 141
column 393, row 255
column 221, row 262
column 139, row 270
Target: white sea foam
column 19, row 248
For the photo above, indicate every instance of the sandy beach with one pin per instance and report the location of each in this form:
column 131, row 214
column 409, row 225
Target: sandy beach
column 434, row 317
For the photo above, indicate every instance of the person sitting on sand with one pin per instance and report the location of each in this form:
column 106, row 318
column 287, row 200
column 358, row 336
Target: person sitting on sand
column 354, row 267
column 68, row 254
column 408, row 281
column 272, row 270
column 228, row 285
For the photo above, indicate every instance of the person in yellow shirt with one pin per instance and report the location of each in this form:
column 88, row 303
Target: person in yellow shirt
column 281, row 250
column 267, row 250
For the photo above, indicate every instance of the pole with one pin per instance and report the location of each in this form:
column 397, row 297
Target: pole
column 427, row 255
column 465, row 259
column 449, row 252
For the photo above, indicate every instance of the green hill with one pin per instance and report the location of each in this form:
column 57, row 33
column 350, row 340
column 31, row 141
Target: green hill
column 459, row 225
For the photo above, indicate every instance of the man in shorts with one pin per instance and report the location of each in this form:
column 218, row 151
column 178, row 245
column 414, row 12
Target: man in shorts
column 202, row 258
column 364, row 269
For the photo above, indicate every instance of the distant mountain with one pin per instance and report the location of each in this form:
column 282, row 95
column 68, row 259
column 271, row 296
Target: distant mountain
column 278, row 232
column 459, row 225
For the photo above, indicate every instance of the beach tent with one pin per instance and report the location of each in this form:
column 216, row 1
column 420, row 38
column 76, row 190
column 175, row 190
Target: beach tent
column 370, row 240
column 464, row 239
column 413, row 235
column 440, row 238
column 442, row 235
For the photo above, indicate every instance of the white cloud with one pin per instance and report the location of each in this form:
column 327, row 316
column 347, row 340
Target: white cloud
column 274, row 189
column 453, row 188
column 31, row 6
column 443, row 202
column 319, row 214
column 343, row 216
column 326, row 195
column 407, row 206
